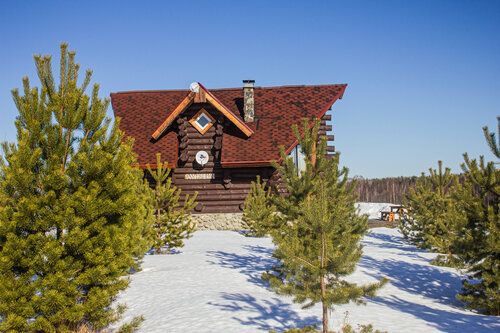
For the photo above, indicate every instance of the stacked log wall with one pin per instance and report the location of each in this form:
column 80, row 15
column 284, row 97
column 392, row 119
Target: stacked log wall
column 229, row 188
column 323, row 130
column 225, row 193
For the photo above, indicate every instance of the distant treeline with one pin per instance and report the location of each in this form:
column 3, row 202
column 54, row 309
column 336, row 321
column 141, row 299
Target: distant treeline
column 384, row 189
column 391, row 190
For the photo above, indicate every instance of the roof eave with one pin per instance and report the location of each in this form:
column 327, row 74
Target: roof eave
column 244, row 164
column 296, row 142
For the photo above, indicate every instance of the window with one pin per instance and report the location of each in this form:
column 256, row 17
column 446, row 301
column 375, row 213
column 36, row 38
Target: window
column 202, row 121
column 298, row 158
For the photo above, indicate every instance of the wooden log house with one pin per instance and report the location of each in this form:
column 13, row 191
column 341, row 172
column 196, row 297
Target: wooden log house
column 217, row 141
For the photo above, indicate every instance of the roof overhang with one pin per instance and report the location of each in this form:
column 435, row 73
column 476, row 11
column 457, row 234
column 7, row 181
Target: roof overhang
column 154, row 166
column 296, row 142
column 246, row 164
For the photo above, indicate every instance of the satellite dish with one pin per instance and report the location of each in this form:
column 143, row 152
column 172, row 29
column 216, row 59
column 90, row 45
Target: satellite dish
column 202, row 157
column 194, row 87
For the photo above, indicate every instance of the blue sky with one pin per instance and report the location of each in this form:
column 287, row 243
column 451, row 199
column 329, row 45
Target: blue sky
column 423, row 76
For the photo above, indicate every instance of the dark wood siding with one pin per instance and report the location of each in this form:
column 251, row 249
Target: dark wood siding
column 322, row 131
column 225, row 193
column 228, row 190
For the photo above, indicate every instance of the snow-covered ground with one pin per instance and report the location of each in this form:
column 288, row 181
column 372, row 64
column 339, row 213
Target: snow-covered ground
column 373, row 209
column 213, row 285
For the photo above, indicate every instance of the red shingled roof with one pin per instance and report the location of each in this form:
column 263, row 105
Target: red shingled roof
column 276, row 109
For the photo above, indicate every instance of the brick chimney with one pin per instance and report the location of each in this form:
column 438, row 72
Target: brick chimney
column 248, row 105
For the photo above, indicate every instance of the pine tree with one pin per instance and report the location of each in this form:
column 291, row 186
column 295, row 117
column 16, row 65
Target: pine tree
column 490, row 138
column 171, row 224
column 466, row 222
column 70, row 217
column 145, row 196
column 258, row 213
column 479, row 245
column 434, row 219
column 316, row 229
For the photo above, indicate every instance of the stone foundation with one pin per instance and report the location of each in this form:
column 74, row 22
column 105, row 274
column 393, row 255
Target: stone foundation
column 218, row 221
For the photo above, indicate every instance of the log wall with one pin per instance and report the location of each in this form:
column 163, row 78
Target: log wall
column 323, row 129
column 229, row 188
column 225, row 193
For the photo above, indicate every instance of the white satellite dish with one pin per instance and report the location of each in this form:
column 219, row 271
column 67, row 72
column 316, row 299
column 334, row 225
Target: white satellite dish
column 194, row 87
column 202, row 157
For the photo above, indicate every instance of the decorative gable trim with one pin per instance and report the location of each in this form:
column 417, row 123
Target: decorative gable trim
column 201, row 96
column 186, row 102
column 231, row 116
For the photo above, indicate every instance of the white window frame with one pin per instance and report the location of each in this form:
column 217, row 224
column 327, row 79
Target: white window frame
column 299, row 159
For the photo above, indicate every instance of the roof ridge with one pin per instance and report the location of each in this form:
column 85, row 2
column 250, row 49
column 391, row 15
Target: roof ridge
column 147, row 91
column 304, row 85
column 218, row 89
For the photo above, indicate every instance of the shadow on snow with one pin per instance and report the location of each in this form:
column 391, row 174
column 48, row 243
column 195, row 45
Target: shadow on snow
column 444, row 320
column 429, row 281
column 396, row 243
column 251, row 264
column 265, row 314
column 424, row 280
column 419, row 279
column 272, row 314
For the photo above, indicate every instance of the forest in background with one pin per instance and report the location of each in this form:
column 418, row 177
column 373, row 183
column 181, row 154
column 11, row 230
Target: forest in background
column 391, row 189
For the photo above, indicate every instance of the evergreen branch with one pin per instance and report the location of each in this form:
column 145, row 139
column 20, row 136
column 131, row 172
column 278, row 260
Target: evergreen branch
column 83, row 140
column 490, row 139
column 65, row 156
column 304, row 261
column 40, row 185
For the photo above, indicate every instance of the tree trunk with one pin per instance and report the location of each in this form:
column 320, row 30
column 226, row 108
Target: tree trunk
column 325, row 318
column 59, row 234
column 158, row 221
column 323, row 285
